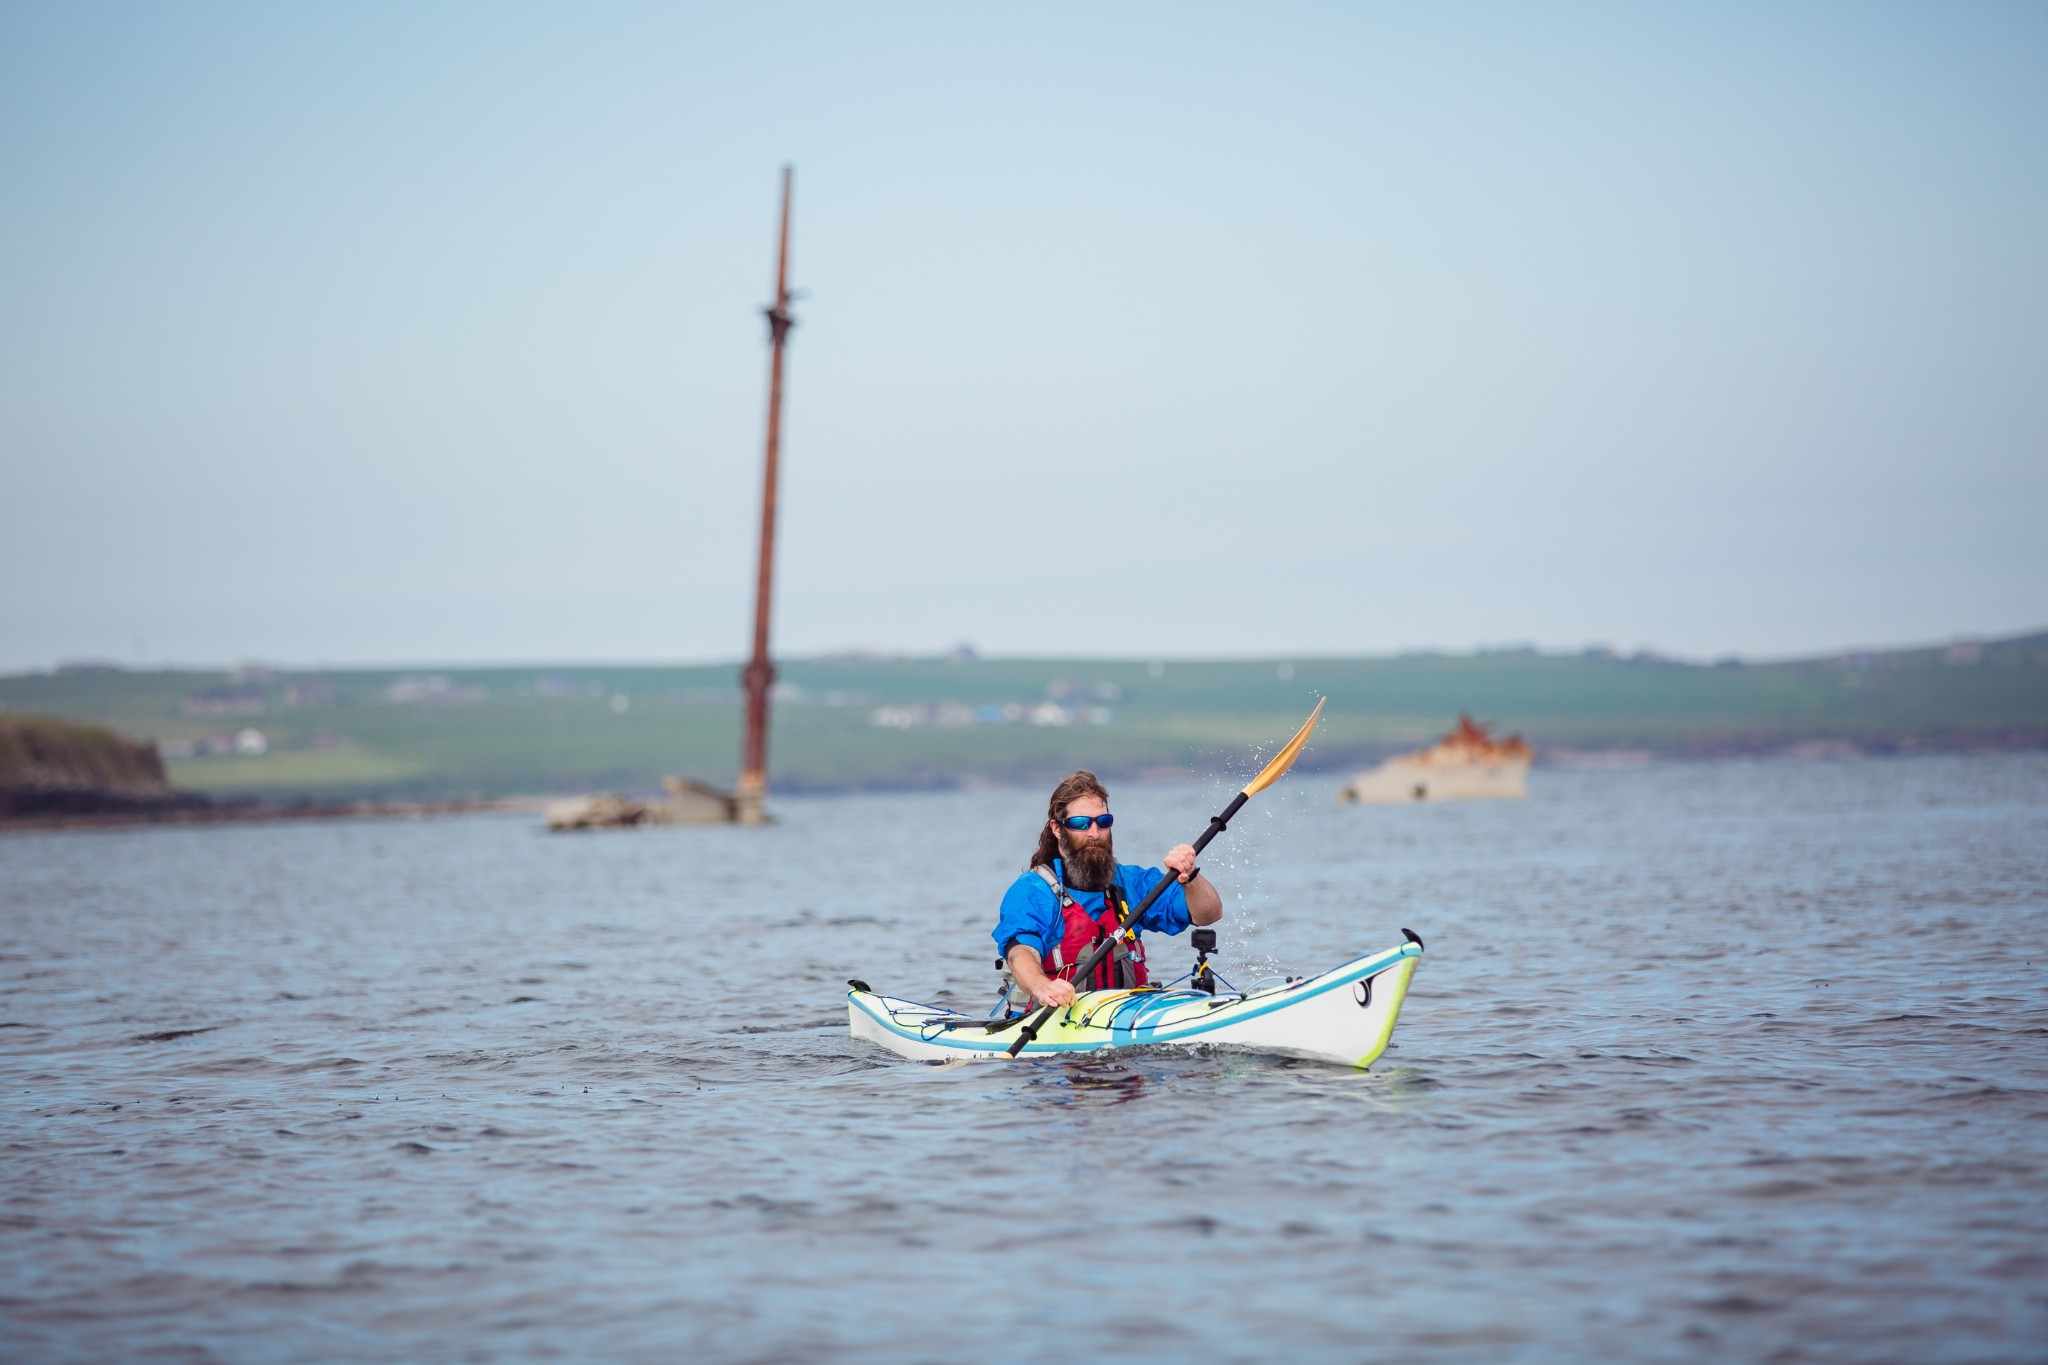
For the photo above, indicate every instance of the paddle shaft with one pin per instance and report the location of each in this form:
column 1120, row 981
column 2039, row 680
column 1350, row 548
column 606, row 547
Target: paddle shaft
column 1217, row 824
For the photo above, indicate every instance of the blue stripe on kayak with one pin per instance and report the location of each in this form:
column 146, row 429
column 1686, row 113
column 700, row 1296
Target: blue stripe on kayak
column 1354, row 972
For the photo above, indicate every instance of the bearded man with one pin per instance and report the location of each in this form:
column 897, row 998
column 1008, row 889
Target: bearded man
column 1072, row 895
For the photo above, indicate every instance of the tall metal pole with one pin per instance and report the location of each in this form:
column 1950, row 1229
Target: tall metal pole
column 759, row 674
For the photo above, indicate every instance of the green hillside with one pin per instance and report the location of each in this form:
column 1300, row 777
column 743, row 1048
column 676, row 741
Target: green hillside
column 850, row 723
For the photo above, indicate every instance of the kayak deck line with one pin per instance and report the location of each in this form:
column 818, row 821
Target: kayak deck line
column 1345, row 1015
column 1117, row 1001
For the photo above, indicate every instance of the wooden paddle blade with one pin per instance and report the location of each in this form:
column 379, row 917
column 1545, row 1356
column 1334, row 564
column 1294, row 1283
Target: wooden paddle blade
column 1284, row 760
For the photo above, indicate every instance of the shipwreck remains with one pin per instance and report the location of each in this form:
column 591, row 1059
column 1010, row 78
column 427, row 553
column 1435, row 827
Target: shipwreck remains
column 695, row 803
column 759, row 674
column 1468, row 764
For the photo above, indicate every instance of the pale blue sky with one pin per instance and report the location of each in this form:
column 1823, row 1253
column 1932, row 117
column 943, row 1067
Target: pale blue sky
column 430, row 334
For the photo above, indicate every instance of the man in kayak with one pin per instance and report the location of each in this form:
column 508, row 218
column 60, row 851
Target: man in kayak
column 1071, row 896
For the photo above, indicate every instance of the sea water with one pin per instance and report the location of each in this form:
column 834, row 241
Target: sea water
column 1726, row 1062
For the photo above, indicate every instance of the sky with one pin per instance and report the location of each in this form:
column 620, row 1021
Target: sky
column 411, row 334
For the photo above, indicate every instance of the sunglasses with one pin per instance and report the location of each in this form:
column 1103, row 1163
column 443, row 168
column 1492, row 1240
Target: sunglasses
column 1078, row 823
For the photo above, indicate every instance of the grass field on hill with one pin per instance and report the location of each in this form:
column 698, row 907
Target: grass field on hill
column 856, row 723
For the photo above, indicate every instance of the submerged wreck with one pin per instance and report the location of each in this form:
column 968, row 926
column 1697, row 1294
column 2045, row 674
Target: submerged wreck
column 1468, row 764
column 687, row 803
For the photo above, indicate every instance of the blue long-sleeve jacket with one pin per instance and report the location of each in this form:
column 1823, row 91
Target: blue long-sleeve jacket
column 1030, row 912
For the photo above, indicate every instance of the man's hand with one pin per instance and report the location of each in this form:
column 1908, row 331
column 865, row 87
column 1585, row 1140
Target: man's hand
column 1181, row 862
column 1048, row 991
column 1054, row 993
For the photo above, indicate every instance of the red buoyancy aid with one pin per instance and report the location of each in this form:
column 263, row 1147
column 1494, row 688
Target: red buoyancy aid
column 1122, row 968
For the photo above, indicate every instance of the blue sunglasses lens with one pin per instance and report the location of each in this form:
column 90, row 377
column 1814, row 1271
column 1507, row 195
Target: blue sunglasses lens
column 1081, row 822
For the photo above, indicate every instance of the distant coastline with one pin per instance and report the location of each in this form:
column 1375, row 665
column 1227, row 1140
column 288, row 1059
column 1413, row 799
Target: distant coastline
column 258, row 742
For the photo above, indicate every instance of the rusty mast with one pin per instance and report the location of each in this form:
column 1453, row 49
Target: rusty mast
column 759, row 674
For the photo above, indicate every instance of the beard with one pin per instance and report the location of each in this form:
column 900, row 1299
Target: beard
column 1091, row 865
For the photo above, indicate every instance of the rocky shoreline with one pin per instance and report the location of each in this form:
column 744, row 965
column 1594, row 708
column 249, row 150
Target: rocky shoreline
column 199, row 810
column 63, row 774
column 59, row 768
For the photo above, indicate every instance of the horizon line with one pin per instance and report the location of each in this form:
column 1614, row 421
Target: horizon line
column 966, row 652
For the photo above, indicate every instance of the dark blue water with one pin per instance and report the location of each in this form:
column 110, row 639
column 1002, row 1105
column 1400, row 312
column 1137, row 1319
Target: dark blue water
column 1706, row 1063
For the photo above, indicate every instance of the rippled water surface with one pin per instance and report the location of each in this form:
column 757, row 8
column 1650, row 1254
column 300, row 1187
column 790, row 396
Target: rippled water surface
column 1702, row 1063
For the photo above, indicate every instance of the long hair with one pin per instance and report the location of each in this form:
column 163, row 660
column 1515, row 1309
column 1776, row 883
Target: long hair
column 1081, row 783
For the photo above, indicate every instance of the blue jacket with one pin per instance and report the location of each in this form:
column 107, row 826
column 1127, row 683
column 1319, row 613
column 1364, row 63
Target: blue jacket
column 1031, row 912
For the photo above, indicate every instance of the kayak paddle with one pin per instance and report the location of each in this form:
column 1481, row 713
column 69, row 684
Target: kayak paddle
column 1268, row 775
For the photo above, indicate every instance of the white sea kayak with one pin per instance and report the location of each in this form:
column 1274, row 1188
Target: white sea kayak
column 1344, row 1016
